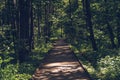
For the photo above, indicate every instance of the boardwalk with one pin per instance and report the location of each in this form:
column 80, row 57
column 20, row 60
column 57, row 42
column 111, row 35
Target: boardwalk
column 60, row 64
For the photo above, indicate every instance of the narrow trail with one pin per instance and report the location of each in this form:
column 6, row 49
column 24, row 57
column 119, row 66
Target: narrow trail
column 60, row 64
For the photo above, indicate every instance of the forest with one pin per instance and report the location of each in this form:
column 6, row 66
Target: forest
column 29, row 27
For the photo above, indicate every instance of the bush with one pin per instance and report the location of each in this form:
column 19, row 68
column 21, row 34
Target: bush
column 11, row 72
column 109, row 68
column 23, row 71
column 101, row 65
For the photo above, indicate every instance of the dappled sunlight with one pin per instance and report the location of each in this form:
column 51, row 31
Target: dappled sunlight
column 64, row 67
column 62, row 47
column 61, row 72
column 60, row 64
column 63, row 39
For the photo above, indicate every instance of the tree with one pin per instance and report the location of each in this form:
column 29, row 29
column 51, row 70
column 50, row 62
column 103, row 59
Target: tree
column 24, row 11
column 86, row 6
column 48, row 22
column 109, row 28
column 39, row 17
column 117, row 17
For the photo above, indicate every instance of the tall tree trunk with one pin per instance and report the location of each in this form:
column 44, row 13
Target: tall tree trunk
column 118, row 27
column 89, row 23
column 70, row 13
column 70, row 21
column 46, row 22
column 39, row 16
column 13, row 23
column 24, row 6
column 31, row 40
column 0, row 18
column 109, row 28
column 49, row 17
column 7, row 4
column 117, row 10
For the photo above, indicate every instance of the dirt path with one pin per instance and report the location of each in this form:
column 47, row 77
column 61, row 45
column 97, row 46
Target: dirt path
column 60, row 64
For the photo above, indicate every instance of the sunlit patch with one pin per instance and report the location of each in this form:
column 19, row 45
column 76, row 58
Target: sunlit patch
column 62, row 47
column 64, row 67
column 60, row 64
column 81, row 79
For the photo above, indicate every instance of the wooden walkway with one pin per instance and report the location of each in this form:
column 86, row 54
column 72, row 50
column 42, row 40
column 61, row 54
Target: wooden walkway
column 60, row 64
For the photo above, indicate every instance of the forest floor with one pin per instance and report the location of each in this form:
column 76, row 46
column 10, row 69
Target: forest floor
column 60, row 64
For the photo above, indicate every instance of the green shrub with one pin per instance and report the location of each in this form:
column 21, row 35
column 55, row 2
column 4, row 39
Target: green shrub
column 24, row 70
column 11, row 72
column 109, row 68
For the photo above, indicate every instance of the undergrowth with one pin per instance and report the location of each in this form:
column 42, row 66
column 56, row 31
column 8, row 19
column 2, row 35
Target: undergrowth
column 101, row 65
column 23, row 71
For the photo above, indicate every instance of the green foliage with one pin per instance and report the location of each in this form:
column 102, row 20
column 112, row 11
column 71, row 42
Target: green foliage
column 1, row 61
column 74, row 6
column 11, row 72
column 103, row 64
column 39, row 52
column 109, row 68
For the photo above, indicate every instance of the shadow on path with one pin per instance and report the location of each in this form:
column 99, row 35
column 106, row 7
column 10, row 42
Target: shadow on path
column 60, row 64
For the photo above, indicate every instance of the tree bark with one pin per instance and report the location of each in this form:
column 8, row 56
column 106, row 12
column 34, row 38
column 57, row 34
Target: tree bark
column 109, row 28
column 24, row 6
column 31, row 40
column 117, row 10
column 86, row 6
column 46, row 22
column 118, row 28
column 39, row 16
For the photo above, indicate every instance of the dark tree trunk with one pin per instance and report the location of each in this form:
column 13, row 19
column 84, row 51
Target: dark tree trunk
column 109, row 28
column 31, row 40
column 49, row 16
column 8, row 14
column 24, row 6
column 70, row 21
column 118, row 27
column 39, row 16
column 13, row 23
column 70, row 12
column 117, row 10
column 111, row 35
column 86, row 5
column 46, row 22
